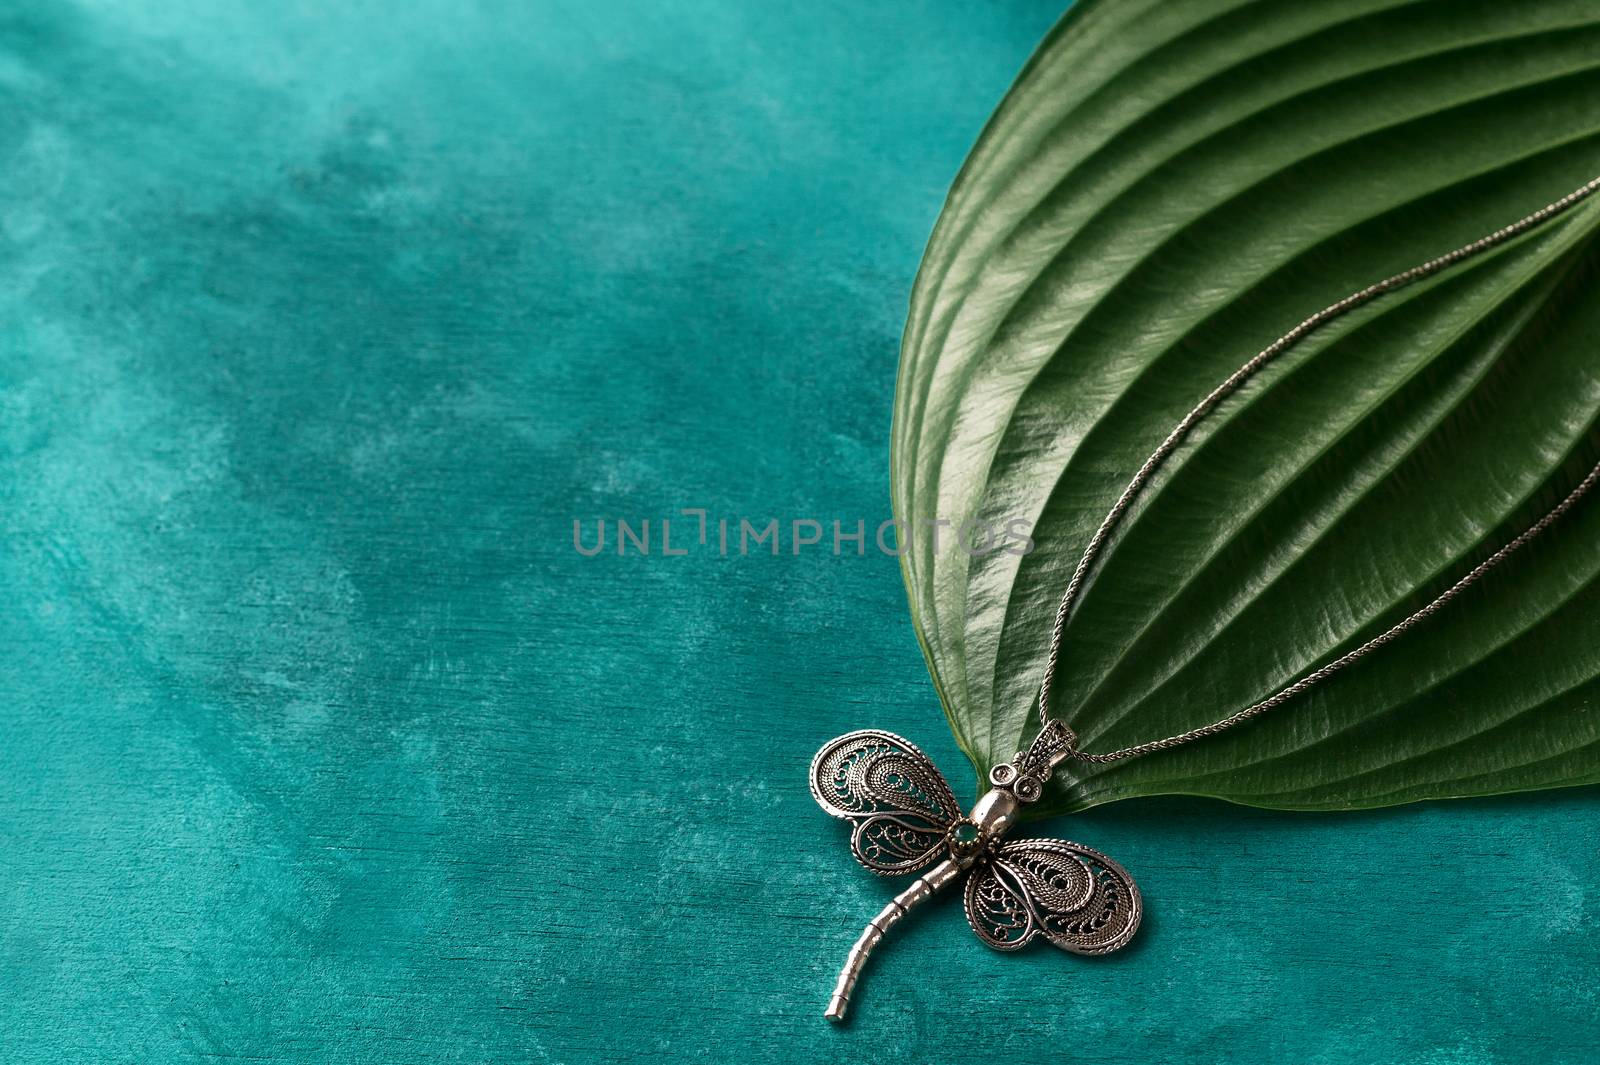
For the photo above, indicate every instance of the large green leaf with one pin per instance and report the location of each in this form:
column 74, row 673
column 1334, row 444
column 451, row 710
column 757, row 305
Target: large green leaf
column 1170, row 185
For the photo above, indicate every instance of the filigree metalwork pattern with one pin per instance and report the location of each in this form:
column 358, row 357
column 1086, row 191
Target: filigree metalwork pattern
column 898, row 801
column 1076, row 898
column 998, row 912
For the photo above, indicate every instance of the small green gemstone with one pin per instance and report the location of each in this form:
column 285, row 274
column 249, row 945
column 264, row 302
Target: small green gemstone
column 966, row 833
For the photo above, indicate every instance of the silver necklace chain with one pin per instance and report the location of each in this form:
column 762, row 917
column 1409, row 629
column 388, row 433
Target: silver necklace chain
column 1209, row 403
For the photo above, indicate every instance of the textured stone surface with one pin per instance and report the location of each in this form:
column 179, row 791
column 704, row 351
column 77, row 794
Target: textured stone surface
column 322, row 744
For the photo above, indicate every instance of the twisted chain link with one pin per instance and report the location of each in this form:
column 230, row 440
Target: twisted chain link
column 1227, row 388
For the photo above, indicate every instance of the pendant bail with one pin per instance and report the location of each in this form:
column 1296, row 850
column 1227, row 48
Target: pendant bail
column 1026, row 775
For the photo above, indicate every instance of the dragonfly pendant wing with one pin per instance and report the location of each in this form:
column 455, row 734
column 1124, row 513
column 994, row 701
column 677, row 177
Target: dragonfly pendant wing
column 899, row 803
column 1075, row 897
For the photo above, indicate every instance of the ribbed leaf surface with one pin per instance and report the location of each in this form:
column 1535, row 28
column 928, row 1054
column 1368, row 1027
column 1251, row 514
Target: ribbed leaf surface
column 1168, row 188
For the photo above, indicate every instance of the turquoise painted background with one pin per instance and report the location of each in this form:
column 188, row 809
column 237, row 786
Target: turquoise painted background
column 320, row 743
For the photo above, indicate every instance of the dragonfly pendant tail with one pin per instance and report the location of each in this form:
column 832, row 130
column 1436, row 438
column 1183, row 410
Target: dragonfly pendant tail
column 906, row 819
column 922, row 888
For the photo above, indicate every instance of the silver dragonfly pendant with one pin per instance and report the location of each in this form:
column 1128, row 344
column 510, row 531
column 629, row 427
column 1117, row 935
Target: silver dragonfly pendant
column 906, row 819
